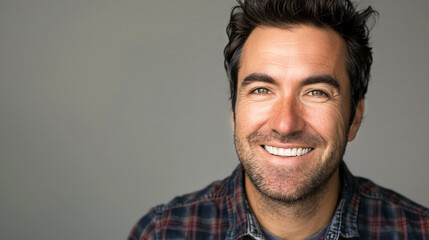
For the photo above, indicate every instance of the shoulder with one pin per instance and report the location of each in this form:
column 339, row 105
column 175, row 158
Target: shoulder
column 370, row 191
column 182, row 212
column 145, row 228
column 385, row 212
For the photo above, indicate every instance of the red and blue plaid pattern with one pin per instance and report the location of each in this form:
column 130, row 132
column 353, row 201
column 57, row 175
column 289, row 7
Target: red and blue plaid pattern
column 221, row 211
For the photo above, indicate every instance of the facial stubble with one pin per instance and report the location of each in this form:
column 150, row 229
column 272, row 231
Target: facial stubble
column 289, row 185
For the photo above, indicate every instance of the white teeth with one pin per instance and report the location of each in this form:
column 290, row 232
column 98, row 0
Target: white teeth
column 288, row 152
column 305, row 151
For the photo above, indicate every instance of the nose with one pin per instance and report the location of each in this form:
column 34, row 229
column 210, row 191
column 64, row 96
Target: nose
column 286, row 116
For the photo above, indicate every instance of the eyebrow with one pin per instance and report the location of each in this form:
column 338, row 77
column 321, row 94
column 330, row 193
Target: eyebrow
column 257, row 77
column 326, row 79
column 261, row 77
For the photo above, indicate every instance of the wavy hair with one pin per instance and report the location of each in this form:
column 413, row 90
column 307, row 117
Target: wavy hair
column 339, row 15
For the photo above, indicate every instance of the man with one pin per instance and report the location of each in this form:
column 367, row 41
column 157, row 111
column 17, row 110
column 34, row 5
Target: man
column 298, row 73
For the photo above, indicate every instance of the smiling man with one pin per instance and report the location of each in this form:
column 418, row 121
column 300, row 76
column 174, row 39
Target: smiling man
column 291, row 124
column 298, row 72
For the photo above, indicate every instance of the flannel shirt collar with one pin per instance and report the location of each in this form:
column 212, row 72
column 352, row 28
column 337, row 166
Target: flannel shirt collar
column 244, row 224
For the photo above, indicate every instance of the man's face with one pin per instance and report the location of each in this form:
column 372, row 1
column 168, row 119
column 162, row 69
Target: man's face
column 292, row 110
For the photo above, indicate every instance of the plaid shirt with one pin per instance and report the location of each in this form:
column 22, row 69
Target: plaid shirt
column 221, row 211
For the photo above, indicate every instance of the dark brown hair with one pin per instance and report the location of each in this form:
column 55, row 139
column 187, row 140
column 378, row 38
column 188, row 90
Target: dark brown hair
column 339, row 15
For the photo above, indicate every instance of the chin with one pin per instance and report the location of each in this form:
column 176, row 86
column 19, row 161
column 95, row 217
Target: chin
column 291, row 184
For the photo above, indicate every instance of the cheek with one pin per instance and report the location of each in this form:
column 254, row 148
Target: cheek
column 250, row 116
column 329, row 121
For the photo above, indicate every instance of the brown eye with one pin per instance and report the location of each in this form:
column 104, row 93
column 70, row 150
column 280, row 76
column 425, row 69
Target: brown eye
column 261, row 91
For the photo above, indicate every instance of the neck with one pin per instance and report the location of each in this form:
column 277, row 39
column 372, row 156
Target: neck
column 297, row 220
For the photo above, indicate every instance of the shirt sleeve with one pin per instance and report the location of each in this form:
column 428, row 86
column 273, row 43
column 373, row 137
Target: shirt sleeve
column 145, row 228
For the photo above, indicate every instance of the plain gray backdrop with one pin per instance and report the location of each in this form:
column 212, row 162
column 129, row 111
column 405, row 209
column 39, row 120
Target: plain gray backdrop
column 108, row 108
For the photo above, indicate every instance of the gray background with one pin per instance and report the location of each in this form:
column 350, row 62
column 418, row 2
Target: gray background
column 110, row 107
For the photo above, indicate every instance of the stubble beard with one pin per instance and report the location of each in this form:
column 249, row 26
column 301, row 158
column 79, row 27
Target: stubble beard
column 289, row 185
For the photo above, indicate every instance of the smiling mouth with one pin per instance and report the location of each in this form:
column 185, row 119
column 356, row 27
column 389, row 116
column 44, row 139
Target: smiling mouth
column 287, row 152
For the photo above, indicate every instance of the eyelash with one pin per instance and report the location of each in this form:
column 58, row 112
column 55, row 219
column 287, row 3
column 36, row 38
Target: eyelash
column 311, row 93
column 255, row 91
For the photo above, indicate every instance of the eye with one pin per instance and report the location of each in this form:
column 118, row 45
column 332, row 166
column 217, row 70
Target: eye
column 260, row 91
column 318, row 93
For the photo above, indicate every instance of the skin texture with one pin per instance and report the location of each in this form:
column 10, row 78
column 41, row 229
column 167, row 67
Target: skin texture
column 293, row 92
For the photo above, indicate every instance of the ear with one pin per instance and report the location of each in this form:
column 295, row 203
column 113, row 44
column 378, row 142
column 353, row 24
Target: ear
column 357, row 120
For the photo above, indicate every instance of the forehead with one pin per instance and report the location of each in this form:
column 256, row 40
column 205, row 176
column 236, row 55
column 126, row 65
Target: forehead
column 294, row 53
